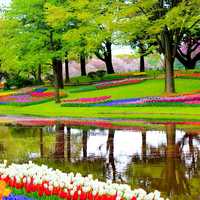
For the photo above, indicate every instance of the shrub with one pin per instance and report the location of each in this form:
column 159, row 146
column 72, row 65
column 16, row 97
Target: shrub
column 18, row 82
column 49, row 78
column 92, row 75
column 101, row 73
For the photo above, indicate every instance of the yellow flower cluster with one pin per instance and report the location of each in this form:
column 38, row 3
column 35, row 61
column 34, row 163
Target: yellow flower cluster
column 4, row 192
column 2, row 94
column 131, row 74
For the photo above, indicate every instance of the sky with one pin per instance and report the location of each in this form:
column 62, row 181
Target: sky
column 5, row 2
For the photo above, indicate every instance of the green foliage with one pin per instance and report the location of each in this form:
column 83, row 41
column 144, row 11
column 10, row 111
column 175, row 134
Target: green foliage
column 18, row 82
column 101, row 73
column 92, row 75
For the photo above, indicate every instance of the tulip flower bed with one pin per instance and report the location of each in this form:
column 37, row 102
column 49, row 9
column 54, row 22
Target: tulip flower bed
column 107, row 84
column 29, row 98
column 75, row 123
column 159, row 101
column 189, row 75
column 81, row 101
column 130, row 74
column 47, row 182
column 184, row 100
column 117, row 83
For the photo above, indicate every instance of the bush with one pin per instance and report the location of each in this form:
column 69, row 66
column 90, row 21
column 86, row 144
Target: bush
column 49, row 78
column 101, row 73
column 92, row 75
column 18, row 82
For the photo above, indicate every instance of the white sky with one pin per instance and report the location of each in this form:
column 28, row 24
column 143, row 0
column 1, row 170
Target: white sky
column 5, row 2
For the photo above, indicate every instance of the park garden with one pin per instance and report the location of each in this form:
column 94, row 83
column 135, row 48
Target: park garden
column 79, row 121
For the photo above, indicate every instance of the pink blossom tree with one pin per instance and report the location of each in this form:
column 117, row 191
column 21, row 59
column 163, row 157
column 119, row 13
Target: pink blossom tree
column 188, row 52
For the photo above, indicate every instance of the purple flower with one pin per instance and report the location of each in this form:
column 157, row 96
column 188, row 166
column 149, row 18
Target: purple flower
column 16, row 197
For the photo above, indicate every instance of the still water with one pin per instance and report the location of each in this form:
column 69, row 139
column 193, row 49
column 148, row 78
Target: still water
column 167, row 159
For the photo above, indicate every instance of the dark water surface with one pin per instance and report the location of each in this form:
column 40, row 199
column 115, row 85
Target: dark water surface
column 166, row 159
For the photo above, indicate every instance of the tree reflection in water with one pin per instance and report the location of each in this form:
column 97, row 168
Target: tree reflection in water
column 59, row 153
column 68, row 144
column 173, row 177
column 41, row 143
column 169, row 172
column 110, row 153
column 84, row 142
column 165, row 160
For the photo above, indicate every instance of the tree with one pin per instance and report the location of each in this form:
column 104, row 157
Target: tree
column 106, row 16
column 166, row 22
column 37, row 44
column 188, row 52
column 73, row 19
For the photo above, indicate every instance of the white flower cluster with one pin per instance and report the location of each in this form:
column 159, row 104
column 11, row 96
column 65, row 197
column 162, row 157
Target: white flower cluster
column 50, row 178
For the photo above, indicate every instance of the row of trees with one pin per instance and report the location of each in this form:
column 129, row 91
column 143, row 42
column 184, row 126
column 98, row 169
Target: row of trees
column 37, row 33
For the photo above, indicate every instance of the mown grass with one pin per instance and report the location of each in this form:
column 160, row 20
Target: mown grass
column 143, row 89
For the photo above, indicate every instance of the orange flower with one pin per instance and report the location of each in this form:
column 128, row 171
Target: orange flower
column 3, row 191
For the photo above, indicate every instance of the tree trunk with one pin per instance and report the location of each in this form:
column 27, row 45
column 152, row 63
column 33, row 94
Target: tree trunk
column 56, row 86
column 108, row 58
column 169, row 75
column 169, row 50
column 144, row 146
column 142, row 65
column 187, row 62
column 67, row 71
column 84, row 141
column 190, row 65
column 60, row 74
column 83, row 64
column 41, row 143
column 60, row 143
column 69, row 144
column 39, row 77
column 110, row 148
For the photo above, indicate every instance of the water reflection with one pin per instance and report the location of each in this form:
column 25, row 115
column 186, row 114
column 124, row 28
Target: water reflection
column 167, row 160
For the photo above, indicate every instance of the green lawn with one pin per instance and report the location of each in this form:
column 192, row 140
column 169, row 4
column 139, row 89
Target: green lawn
column 147, row 88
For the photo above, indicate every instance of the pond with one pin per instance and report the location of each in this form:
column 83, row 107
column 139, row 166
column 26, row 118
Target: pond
column 166, row 158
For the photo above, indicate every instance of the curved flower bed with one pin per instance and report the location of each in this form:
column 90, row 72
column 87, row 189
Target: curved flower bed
column 107, row 84
column 76, row 122
column 29, row 98
column 192, row 99
column 16, row 197
column 48, row 182
column 93, row 100
column 130, row 74
column 189, row 75
column 117, row 83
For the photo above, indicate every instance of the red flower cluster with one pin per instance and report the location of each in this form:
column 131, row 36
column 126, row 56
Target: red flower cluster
column 88, row 100
column 195, row 75
column 36, row 122
column 99, row 123
column 43, row 189
column 42, row 94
